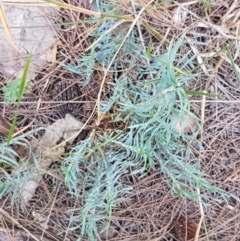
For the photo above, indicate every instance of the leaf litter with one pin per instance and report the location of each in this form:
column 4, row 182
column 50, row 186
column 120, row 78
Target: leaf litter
column 49, row 149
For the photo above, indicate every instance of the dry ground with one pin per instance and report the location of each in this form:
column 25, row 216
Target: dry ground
column 147, row 213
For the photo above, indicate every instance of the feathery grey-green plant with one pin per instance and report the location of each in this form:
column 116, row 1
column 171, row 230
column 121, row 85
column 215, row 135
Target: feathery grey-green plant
column 151, row 108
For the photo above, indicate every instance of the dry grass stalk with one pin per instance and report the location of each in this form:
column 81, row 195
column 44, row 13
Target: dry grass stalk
column 6, row 27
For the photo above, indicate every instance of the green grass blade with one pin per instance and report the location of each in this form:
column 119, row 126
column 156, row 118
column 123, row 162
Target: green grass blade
column 23, row 80
column 199, row 93
column 155, row 33
column 11, row 131
column 20, row 95
column 148, row 52
column 233, row 64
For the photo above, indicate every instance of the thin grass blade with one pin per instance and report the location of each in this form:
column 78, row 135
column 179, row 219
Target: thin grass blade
column 20, row 95
column 23, row 80
column 233, row 64
column 199, row 93
column 11, row 132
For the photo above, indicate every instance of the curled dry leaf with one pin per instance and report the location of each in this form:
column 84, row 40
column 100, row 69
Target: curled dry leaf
column 47, row 150
column 188, row 125
column 185, row 229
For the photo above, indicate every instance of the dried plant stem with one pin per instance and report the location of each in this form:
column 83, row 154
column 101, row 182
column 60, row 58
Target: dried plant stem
column 141, row 38
column 202, row 122
column 3, row 20
column 107, row 32
column 202, row 216
column 5, row 214
column 219, row 29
